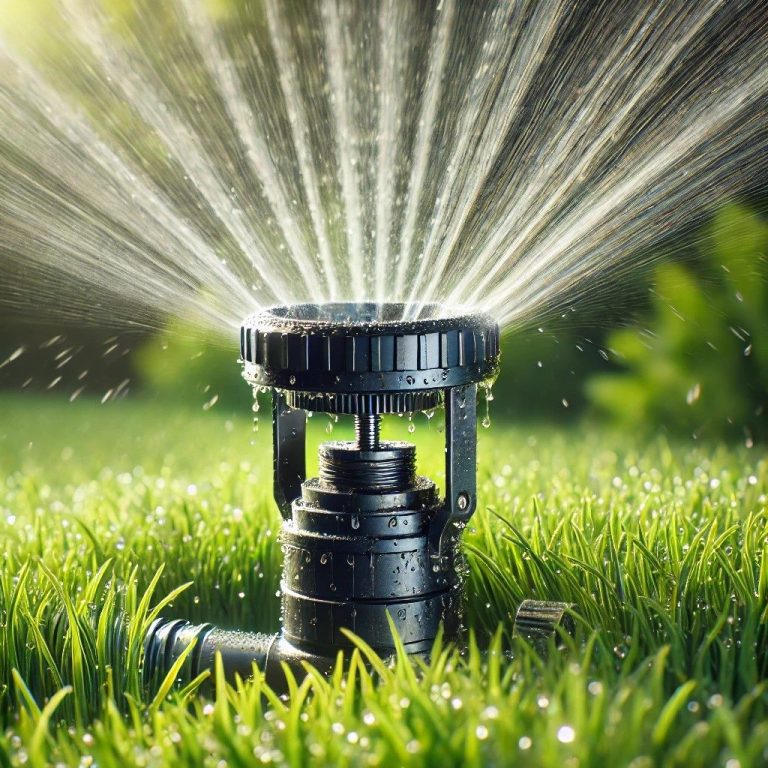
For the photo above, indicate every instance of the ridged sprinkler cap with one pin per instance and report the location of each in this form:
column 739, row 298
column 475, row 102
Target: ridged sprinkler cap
column 364, row 358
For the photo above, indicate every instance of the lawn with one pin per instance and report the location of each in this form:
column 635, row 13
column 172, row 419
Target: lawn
column 130, row 508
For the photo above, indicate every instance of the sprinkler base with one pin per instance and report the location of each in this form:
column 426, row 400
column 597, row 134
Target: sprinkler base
column 537, row 621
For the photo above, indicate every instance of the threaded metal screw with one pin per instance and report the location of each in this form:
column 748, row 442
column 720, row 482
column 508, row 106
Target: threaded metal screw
column 367, row 428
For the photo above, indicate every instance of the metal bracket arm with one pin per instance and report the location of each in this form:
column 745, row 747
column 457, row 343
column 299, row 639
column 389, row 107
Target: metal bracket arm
column 289, row 429
column 460, row 467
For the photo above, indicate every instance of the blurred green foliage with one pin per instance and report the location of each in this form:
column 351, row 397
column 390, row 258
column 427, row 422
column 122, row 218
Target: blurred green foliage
column 697, row 362
column 181, row 366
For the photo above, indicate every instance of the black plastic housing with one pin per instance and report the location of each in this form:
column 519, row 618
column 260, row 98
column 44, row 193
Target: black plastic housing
column 369, row 547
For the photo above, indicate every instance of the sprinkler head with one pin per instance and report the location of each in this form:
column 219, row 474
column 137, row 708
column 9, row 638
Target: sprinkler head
column 367, row 544
column 363, row 359
column 368, row 539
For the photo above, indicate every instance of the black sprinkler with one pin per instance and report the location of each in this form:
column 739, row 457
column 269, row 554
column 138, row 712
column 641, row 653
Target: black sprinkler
column 368, row 541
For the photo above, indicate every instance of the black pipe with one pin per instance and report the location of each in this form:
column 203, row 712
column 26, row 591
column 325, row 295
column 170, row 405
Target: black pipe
column 240, row 651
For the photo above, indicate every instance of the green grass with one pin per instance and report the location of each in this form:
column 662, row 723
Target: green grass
column 106, row 510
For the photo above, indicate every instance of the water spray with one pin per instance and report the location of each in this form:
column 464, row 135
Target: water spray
column 369, row 546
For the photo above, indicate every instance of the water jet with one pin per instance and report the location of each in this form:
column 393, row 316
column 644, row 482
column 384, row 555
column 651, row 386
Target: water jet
column 369, row 546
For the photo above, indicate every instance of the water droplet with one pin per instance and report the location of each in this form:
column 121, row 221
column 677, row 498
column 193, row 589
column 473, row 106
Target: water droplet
column 210, row 403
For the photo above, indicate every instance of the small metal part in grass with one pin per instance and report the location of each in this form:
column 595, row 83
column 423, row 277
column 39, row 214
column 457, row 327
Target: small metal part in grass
column 538, row 621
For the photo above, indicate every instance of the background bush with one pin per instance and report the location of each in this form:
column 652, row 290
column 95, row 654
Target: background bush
column 697, row 360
